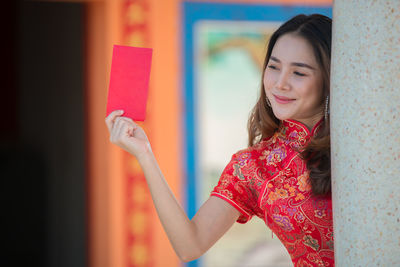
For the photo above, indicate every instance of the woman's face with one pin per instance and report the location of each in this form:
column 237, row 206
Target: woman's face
column 293, row 81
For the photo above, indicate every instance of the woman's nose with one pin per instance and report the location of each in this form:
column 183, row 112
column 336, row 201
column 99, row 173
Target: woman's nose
column 282, row 82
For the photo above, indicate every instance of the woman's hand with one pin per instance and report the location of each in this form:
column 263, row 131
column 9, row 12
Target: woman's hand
column 125, row 133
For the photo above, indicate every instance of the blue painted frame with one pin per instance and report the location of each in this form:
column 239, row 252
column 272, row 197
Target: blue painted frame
column 192, row 13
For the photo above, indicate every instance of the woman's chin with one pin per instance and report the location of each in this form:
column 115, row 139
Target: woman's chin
column 281, row 116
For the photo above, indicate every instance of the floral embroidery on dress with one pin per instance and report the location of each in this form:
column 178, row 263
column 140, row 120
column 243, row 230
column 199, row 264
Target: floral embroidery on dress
column 224, row 181
column 329, row 234
column 291, row 189
column 283, row 222
column 227, row 193
column 271, row 181
column 244, row 158
column 274, row 156
column 312, row 257
column 288, row 210
column 319, row 213
column 320, row 206
column 329, row 244
column 297, row 139
column 303, row 263
column 238, row 171
column 299, row 217
column 299, row 196
column 303, row 182
column 311, row 242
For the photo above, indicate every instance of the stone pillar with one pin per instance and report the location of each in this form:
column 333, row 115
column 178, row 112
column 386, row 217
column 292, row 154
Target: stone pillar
column 365, row 132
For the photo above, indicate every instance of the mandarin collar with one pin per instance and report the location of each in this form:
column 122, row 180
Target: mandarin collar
column 297, row 133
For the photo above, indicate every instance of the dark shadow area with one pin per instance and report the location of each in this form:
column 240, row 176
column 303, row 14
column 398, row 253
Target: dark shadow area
column 42, row 142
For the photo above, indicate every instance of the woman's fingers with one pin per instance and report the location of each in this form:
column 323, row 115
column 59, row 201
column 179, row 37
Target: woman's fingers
column 125, row 133
column 124, row 121
column 116, row 130
column 110, row 119
column 123, row 127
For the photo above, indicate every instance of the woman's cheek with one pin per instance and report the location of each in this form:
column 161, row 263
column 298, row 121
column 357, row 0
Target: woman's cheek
column 268, row 81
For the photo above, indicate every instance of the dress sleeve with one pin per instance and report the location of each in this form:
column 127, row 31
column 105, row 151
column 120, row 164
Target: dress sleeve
column 233, row 186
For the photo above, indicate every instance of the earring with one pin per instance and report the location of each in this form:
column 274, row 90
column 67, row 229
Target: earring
column 268, row 103
column 326, row 108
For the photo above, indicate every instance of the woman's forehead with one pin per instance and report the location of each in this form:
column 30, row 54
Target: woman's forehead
column 291, row 48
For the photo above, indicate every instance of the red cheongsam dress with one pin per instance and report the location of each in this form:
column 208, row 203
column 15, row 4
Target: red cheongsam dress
column 271, row 181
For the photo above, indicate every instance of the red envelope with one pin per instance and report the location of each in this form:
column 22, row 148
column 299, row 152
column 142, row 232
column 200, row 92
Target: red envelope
column 129, row 81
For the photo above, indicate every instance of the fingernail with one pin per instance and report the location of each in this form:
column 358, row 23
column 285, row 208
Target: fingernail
column 121, row 111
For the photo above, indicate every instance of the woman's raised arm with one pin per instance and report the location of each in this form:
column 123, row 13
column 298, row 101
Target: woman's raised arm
column 189, row 238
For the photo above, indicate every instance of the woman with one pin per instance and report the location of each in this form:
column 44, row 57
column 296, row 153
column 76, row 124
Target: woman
column 283, row 176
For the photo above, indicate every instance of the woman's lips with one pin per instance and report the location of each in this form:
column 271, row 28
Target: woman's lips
column 283, row 100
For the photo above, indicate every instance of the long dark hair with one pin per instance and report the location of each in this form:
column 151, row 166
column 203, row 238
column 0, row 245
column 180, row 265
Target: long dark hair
column 317, row 30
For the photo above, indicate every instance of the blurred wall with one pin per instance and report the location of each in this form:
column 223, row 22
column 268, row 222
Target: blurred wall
column 42, row 166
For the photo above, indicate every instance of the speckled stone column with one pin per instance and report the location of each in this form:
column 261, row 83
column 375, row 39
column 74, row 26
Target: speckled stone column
column 365, row 132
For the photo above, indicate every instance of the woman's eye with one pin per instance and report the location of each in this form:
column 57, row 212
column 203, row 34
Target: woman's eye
column 299, row 73
column 272, row 67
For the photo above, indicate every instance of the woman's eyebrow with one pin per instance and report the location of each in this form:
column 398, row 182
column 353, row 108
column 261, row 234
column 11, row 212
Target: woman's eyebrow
column 298, row 64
